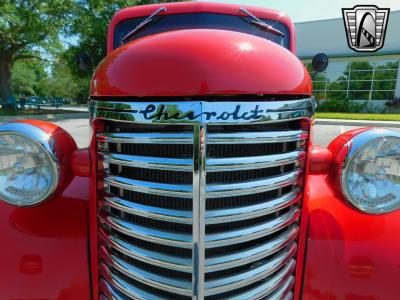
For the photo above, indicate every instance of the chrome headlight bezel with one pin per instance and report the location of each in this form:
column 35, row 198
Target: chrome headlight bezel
column 43, row 141
column 354, row 147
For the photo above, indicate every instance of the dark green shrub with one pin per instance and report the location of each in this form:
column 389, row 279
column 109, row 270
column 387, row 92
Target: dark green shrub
column 335, row 105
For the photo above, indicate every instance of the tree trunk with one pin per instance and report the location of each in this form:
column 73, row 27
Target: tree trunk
column 7, row 100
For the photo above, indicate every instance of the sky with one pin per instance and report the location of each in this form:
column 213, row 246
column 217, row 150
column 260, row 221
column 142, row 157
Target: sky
column 310, row 10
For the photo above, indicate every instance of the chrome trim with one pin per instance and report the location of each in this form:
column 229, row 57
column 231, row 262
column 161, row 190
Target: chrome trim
column 252, row 187
column 163, row 214
column 192, row 112
column 257, row 137
column 163, row 189
column 269, row 285
column 248, row 212
column 146, row 138
column 199, row 211
column 148, row 162
column 254, row 162
column 288, row 294
column 252, row 254
column 250, row 276
column 269, row 116
column 284, row 292
column 267, row 265
column 354, row 147
column 42, row 140
column 111, row 294
column 123, row 286
column 145, row 255
column 109, row 290
column 161, row 282
column 252, row 232
column 164, row 237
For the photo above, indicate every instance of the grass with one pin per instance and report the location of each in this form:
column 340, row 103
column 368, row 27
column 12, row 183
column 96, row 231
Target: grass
column 35, row 112
column 358, row 116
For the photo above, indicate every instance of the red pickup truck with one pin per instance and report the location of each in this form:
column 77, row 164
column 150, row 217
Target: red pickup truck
column 201, row 180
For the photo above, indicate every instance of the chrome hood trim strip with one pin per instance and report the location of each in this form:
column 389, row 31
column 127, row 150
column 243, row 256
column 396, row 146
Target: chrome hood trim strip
column 196, row 112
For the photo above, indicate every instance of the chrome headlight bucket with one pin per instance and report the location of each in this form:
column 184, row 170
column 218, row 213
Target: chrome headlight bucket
column 29, row 164
column 370, row 178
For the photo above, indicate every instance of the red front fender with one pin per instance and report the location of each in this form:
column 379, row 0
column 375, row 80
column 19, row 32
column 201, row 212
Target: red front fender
column 45, row 250
column 349, row 255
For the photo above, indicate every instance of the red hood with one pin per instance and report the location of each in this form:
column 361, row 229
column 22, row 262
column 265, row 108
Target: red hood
column 200, row 62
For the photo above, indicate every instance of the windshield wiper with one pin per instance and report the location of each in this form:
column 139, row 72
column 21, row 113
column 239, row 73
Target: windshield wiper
column 144, row 23
column 260, row 24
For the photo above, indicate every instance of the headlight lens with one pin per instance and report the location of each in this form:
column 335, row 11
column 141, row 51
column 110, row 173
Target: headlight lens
column 371, row 175
column 28, row 171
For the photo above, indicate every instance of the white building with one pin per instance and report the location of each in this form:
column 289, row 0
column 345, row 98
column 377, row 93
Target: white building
column 352, row 75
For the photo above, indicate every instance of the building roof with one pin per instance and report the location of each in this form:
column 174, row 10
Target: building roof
column 329, row 36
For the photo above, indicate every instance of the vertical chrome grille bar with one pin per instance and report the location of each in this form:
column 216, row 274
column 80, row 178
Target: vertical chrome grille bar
column 199, row 207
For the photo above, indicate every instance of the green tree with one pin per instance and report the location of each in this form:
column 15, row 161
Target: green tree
column 28, row 29
column 385, row 81
column 62, row 83
column 26, row 76
column 37, row 29
column 360, row 80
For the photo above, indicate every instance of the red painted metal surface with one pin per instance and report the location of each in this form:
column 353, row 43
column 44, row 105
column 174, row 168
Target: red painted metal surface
column 307, row 125
column 96, row 186
column 80, row 162
column 200, row 62
column 350, row 255
column 199, row 7
column 321, row 159
column 44, row 254
column 343, row 253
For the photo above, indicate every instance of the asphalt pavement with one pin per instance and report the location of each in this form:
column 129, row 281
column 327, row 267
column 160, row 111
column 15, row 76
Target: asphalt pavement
column 323, row 134
column 78, row 128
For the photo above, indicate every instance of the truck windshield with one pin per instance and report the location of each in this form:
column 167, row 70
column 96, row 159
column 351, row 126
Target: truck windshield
column 172, row 22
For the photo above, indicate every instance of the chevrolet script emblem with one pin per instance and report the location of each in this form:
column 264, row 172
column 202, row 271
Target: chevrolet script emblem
column 365, row 27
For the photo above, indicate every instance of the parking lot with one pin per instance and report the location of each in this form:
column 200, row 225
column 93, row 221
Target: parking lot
column 323, row 134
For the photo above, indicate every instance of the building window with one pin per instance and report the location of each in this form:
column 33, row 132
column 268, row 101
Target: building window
column 357, row 80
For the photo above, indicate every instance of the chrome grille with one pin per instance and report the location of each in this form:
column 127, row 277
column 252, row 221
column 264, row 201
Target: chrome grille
column 199, row 209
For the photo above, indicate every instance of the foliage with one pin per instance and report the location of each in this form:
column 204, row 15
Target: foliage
column 29, row 78
column 62, row 83
column 340, row 105
column 40, row 29
column 347, row 106
column 358, row 116
column 27, row 30
column 360, row 80
column 26, row 75
column 393, row 103
column 25, row 24
column 382, row 74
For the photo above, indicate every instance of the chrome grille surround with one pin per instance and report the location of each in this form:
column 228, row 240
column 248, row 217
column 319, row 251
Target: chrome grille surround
column 167, row 238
